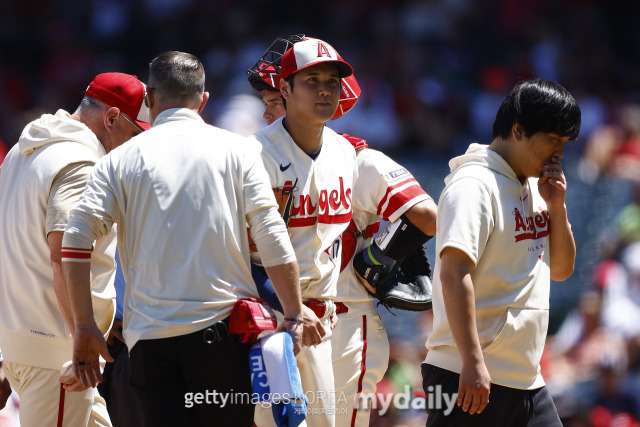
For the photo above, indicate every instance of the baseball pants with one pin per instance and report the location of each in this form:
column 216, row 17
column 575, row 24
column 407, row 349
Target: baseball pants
column 44, row 403
column 508, row 407
column 360, row 353
column 316, row 374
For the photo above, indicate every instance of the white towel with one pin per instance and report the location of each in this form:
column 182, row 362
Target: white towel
column 276, row 379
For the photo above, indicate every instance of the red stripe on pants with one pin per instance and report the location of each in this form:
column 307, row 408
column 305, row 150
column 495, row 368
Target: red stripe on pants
column 363, row 366
column 61, row 407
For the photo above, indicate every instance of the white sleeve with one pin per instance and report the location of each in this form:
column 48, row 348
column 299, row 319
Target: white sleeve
column 384, row 187
column 465, row 217
column 267, row 226
column 65, row 192
column 271, row 237
column 94, row 215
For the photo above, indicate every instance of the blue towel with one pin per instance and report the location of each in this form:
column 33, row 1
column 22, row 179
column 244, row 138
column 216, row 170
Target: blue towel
column 276, row 379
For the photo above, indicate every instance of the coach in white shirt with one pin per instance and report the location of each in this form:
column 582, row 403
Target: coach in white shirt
column 182, row 197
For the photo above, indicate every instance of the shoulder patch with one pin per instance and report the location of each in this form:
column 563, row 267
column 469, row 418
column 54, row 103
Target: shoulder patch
column 395, row 174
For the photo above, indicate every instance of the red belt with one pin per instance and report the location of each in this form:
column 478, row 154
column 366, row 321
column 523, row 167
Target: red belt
column 317, row 306
column 341, row 308
column 320, row 307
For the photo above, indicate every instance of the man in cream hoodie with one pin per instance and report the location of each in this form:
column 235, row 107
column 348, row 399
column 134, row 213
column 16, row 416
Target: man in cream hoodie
column 41, row 179
column 502, row 234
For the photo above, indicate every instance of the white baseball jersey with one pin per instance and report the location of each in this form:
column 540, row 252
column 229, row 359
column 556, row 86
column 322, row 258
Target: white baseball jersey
column 321, row 209
column 384, row 190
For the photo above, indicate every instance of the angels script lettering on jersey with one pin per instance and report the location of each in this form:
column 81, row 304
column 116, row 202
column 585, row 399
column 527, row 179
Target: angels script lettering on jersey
column 332, row 207
column 533, row 227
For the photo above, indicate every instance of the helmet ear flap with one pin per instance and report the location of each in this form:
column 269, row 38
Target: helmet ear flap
column 348, row 96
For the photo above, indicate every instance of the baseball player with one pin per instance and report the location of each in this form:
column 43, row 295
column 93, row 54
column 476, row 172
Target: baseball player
column 318, row 167
column 264, row 77
column 384, row 190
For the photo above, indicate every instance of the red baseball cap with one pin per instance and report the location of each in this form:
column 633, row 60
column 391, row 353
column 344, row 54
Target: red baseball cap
column 124, row 92
column 311, row 52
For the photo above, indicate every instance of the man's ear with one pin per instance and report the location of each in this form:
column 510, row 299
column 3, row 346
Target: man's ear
column 517, row 131
column 205, row 98
column 285, row 89
column 111, row 116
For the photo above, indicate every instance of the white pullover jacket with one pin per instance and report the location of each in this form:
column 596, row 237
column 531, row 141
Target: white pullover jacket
column 32, row 329
column 503, row 226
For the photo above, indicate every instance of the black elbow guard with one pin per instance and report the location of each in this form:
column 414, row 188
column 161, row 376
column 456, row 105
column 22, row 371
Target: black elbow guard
column 395, row 242
column 400, row 238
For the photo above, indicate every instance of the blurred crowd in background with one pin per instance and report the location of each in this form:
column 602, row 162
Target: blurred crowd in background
column 432, row 73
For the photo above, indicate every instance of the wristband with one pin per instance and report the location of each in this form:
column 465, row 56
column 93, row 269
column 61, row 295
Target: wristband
column 293, row 319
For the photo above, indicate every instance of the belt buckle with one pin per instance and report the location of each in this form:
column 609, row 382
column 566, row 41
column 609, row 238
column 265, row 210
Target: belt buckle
column 216, row 333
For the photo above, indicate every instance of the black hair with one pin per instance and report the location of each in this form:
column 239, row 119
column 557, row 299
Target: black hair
column 178, row 75
column 538, row 105
column 290, row 80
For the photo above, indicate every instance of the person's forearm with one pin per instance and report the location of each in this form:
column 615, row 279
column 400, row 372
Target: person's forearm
column 286, row 282
column 54, row 239
column 62, row 296
column 562, row 246
column 459, row 304
column 78, row 282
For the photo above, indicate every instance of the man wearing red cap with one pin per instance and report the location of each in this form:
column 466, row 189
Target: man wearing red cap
column 317, row 167
column 264, row 77
column 385, row 189
column 41, row 179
